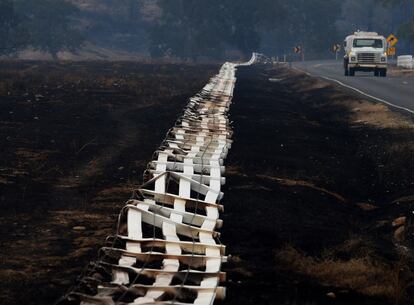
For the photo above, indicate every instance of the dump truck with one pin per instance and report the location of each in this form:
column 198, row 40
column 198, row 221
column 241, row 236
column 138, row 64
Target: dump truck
column 365, row 51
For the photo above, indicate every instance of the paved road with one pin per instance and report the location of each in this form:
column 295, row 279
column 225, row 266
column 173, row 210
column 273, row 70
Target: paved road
column 397, row 91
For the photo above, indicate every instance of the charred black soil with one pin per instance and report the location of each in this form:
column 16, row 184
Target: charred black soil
column 315, row 179
column 75, row 139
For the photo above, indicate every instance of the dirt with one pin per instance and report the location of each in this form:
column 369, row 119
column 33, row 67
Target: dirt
column 75, row 139
column 395, row 71
column 315, row 180
column 319, row 186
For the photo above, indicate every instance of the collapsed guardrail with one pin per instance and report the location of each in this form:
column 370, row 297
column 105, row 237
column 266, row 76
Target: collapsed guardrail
column 167, row 248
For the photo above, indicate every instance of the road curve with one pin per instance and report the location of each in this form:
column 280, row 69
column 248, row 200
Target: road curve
column 396, row 91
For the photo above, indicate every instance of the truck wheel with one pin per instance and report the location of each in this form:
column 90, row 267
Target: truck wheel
column 351, row 72
column 346, row 69
column 383, row 73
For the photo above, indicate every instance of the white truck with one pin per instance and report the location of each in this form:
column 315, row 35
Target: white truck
column 365, row 51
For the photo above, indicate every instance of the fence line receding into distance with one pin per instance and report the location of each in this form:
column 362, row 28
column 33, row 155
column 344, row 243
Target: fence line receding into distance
column 167, row 248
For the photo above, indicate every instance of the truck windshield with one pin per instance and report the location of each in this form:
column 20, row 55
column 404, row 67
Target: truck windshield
column 370, row 43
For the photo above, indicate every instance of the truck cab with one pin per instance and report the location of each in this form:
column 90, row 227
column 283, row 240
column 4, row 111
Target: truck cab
column 365, row 51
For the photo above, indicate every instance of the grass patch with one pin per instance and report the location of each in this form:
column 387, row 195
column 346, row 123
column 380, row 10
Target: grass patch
column 362, row 274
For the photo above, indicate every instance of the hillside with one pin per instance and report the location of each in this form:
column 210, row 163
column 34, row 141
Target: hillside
column 117, row 24
column 112, row 29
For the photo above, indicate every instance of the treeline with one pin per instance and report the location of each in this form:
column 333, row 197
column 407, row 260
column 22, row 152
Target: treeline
column 117, row 24
column 190, row 28
column 45, row 25
column 194, row 29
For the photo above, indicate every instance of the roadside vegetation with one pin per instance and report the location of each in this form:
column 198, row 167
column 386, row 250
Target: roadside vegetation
column 352, row 267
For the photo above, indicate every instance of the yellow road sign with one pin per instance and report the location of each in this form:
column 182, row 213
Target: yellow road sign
column 391, row 51
column 392, row 40
column 297, row 49
column 336, row 48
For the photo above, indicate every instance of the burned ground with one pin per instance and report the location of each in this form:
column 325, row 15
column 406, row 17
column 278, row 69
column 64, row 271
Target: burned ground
column 315, row 178
column 314, row 181
column 75, row 139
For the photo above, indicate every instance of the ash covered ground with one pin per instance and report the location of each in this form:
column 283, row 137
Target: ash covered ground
column 319, row 182
column 75, row 139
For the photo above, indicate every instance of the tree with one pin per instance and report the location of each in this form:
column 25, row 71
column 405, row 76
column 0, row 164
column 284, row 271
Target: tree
column 364, row 15
column 405, row 25
column 192, row 28
column 12, row 35
column 406, row 31
column 305, row 22
column 49, row 25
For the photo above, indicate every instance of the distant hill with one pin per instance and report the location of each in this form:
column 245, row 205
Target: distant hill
column 147, row 9
column 193, row 29
column 117, row 24
column 113, row 29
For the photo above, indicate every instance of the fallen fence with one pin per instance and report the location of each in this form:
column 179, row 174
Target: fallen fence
column 167, row 247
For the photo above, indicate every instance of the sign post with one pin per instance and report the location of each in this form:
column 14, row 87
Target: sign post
column 299, row 50
column 336, row 48
column 392, row 41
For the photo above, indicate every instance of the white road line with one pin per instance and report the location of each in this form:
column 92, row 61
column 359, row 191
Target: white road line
column 368, row 95
column 359, row 91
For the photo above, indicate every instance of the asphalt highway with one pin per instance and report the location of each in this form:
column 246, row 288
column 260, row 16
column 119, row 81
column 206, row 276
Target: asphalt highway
column 396, row 91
